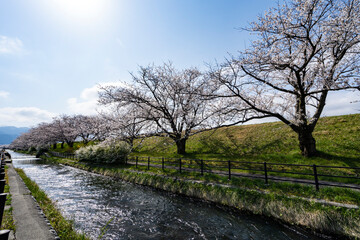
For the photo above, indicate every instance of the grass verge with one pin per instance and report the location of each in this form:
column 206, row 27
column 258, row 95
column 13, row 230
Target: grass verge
column 334, row 194
column 63, row 227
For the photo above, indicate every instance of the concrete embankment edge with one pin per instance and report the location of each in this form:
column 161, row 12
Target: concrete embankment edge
column 339, row 222
column 31, row 223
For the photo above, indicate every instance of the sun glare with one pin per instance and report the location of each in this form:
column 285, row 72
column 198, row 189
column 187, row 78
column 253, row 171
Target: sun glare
column 83, row 11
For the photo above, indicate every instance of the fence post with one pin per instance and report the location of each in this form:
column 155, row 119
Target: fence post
column 265, row 172
column 202, row 167
column 2, row 185
column 229, row 165
column 180, row 165
column 2, row 205
column 4, row 234
column 137, row 158
column 162, row 163
column 316, row 178
column 148, row 163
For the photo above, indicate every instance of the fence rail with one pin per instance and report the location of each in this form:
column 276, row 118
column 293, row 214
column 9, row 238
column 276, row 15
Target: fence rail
column 64, row 155
column 297, row 173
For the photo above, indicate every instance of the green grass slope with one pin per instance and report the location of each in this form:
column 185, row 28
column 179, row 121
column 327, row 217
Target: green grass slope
column 337, row 140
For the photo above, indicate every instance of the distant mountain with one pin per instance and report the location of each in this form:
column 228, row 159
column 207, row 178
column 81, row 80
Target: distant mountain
column 9, row 133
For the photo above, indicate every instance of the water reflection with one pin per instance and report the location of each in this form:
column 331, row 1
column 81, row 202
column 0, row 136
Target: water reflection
column 136, row 212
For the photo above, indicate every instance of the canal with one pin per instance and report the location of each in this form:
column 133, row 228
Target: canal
column 129, row 211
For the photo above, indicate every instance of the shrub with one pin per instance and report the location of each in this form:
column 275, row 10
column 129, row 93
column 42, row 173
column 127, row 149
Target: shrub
column 106, row 152
column 40, row 151
column 31, row 149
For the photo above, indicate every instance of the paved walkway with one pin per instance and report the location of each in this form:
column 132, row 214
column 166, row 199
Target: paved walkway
column 29, row 220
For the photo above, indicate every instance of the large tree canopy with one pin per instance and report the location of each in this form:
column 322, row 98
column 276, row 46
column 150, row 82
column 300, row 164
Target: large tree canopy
column 168, row 98
column 304, row 50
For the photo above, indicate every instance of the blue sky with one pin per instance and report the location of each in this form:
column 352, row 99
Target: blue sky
column 53, row 53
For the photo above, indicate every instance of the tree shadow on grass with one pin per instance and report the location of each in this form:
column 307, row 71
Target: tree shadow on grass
column 348, row 161
column 231, row 147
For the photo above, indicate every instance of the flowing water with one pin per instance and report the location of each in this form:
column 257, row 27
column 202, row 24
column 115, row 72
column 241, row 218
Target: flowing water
column 129, row 211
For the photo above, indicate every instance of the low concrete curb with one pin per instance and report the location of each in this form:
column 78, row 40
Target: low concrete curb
column 31, row 223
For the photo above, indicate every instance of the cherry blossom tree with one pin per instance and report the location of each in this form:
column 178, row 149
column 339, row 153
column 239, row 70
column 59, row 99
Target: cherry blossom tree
column 21, row 142
column 87, row 127
column 62, row 129
column 44, row 135
column 123, row 124
column 304, row 50
column 166, row 97
column 41, row 136
column 66, row 127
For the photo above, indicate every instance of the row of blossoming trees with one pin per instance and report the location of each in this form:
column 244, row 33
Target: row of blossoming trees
column 63, row 129
column 69, row 129
column 304, row 50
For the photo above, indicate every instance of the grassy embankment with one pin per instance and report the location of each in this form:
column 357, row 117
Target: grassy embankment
column 338, row 143
column 337, row 138
column 63, row 227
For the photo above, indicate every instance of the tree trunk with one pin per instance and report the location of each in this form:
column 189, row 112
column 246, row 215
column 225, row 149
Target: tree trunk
column 180, row 144
column 62, row 145
column 70, row 144
column 130, row 141
column 307, row 143
column 54, row 146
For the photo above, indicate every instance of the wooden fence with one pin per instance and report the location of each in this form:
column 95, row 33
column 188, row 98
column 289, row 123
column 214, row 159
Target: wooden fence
column 64, row 155
column 298, row 173
column 317, row 175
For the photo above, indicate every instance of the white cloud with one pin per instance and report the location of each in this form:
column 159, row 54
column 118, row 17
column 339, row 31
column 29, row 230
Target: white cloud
column 341, row 103
column 4, row 94
column 87, row 103
column 337, row 103
column 24, row 116
column 10, row 45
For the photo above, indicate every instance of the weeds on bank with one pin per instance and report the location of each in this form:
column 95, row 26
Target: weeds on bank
column 327, row 219
column 340, row 195
column 244, row 194
column 63, row 227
